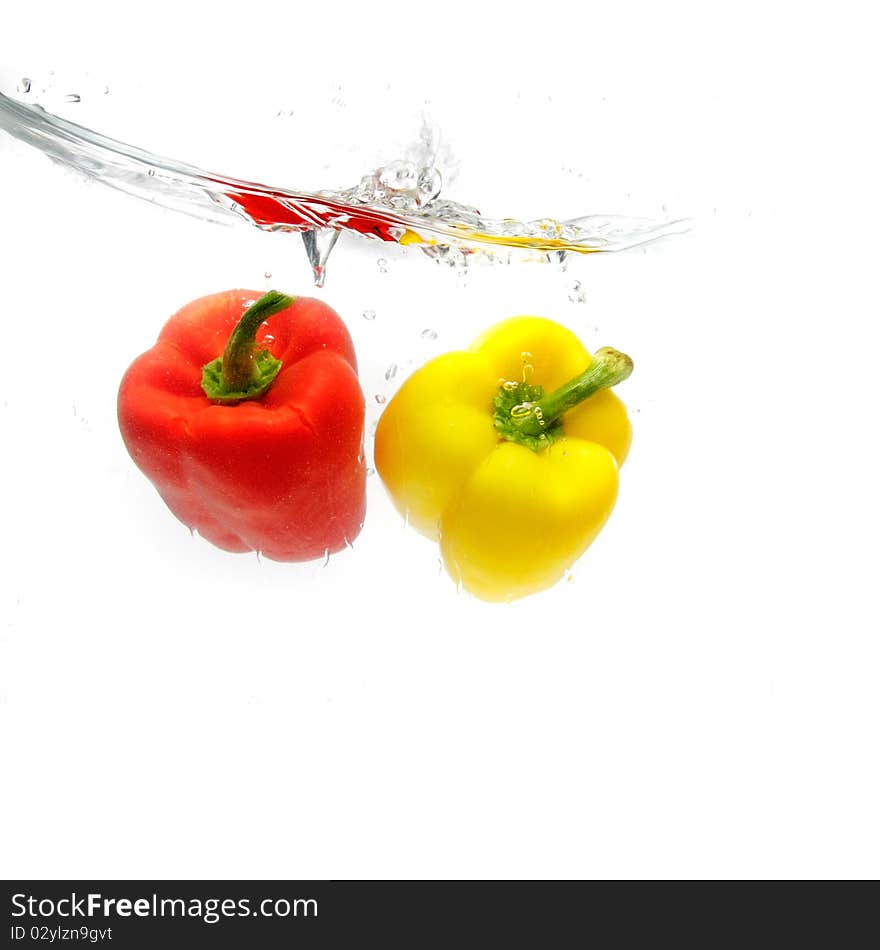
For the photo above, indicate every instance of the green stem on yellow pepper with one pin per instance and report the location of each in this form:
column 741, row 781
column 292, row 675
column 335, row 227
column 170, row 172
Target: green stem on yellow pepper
column 609, row 367
column 526, row 415
column 242, row 372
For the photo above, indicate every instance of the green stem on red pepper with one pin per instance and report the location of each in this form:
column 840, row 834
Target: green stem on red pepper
column 243, row 372
column 524, row 414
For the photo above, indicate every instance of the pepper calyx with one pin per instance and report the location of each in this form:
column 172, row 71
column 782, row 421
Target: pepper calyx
column 266, row 366
column 524, row 414
column 243, row 372
column 515, row 400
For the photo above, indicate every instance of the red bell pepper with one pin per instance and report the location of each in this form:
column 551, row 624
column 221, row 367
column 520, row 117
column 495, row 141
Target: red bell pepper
column 260, row 449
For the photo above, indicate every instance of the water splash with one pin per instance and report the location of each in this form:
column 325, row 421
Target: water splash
column 399, row 202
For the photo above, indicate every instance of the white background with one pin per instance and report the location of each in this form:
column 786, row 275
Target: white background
column 700, row 700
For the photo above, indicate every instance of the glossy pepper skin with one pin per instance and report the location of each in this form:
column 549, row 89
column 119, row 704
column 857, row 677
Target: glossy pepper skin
column 511, row 512
column 281, row 473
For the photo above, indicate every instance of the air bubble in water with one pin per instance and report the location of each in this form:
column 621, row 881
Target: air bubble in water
column 380, row 399
column 268, row 275
column 72, row 97
column 576, row 293
column 371, row 471
column 399, row 176
column 382, row 264
column 391, row 372
column 24, row 84
column 369, row 315
column 429, row 184
column 510, row 385
column 429, row 334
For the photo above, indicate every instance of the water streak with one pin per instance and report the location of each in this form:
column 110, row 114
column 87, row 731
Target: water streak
column 398, row 203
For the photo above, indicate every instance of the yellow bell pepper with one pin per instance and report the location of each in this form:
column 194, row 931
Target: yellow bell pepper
column 475, row 453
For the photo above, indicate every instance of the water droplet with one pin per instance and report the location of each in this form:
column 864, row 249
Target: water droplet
column 510, row 385
column 151, row 172
column 391, row 372
column 429, row 334
column 371, row 471
column 106, row 90
column 369, row 315
column 527, row 368
column 576, row 293
column 521, row 411
column 429, row 184
column 318, row 244
column 380, row 399
column 24, row 84
column 72, row 97
column 382, row 265
column 268, row 275
column 399, row 176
